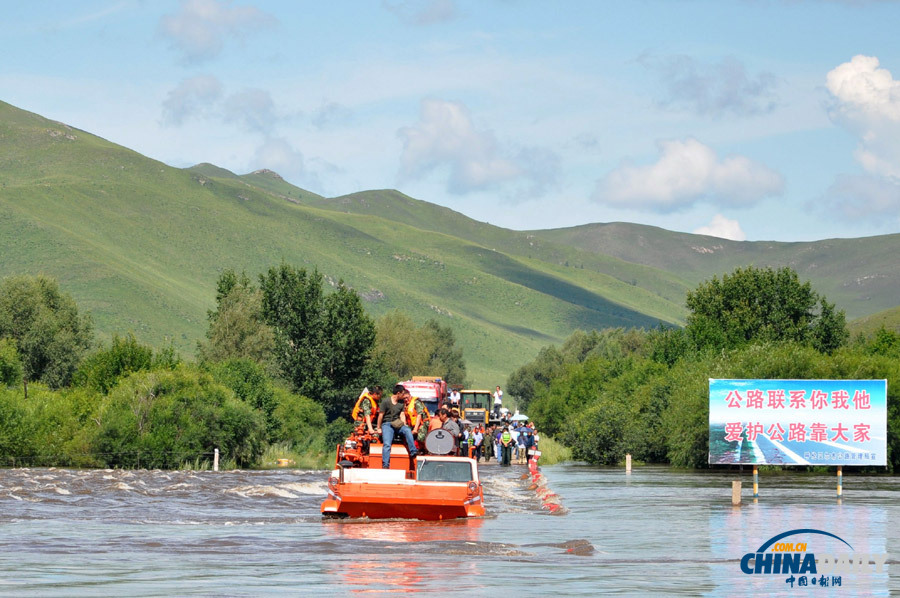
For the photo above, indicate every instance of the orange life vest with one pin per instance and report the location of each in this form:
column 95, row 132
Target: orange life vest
column 411, row 412
column 435, row 423
column 357, row 410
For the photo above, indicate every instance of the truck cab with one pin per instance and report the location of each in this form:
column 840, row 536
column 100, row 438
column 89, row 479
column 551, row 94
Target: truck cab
column 432, row 390
column 476, row 405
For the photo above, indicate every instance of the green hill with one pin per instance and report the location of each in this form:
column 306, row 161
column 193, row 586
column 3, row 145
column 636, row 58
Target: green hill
column 860, row 275
column 140, row 244
column 869, row 325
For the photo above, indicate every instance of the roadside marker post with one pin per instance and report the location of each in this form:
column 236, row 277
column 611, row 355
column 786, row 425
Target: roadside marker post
column 736, row 493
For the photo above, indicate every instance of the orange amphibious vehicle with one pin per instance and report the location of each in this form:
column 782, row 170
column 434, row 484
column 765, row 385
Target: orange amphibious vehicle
column 429, row 486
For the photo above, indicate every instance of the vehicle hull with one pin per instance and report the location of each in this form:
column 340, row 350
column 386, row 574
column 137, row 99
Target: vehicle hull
column 405, row 501
column 378, row 493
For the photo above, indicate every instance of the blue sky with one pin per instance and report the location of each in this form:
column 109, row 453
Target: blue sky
column 750, row 119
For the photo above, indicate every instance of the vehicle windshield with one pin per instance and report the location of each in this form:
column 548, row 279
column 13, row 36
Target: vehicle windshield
column 444, row 471
column 476, row 399
column 422, row 392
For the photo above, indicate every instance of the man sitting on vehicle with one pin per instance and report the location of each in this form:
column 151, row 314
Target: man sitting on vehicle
column 391, row 419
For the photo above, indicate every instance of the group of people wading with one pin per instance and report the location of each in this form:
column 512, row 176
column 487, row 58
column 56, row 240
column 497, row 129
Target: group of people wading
column 407, row 416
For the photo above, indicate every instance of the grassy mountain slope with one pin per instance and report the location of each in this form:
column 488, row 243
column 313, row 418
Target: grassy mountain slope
column 869, row 325
column 397, row 207
column 140, row 245
column 860, row 275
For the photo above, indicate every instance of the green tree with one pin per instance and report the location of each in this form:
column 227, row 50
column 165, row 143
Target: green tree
column 102, row 370
column 237, row 329
column 166, row 418
column 298, row 419
column 408, row 350
column 397, row 344
column 669, row 345
column 570, row 392
column 527, row 382
column 250, row 383
column 885, row 342
column 760, row 305
column 322, row 344
column 50, row 335
column 16, row 430
column 613, row 344
column 227, row 282
column 444, row 358
column 61, row 426
column 349, row 333
column 10, row 364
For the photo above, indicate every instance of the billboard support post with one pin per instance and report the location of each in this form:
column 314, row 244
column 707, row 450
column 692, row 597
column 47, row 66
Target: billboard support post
column 840, row 489
column 755, row 481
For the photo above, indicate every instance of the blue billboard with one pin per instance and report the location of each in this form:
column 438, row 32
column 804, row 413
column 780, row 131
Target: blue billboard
column 798, row 422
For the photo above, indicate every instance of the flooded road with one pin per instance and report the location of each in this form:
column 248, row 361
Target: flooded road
column 251, row 533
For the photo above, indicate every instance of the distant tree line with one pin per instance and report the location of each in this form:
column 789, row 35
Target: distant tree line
column 283, row 361
column 612, row 392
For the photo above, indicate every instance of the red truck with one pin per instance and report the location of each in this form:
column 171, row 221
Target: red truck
column 431, row 389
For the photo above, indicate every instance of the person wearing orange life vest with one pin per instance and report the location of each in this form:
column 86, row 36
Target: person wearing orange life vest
column 417, row 414
column 436, row 423
column 366, row 408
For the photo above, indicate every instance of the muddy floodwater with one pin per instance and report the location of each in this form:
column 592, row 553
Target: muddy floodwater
column 251, row 533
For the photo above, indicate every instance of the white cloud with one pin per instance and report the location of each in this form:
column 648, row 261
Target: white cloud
column 724, row 228
column 688, row 172
column 190, row 98
column 314, row 174
column 203, row 97
column 200, row 28
column 865, row 197
column 253, row 109
column 279, row 155
column 445, row 136
column 867, row 102
column 714, row 89
column 861, row 86
column 331, row 113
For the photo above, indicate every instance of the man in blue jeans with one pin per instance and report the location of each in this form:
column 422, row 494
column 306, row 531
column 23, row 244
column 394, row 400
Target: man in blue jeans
column 391, row 419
